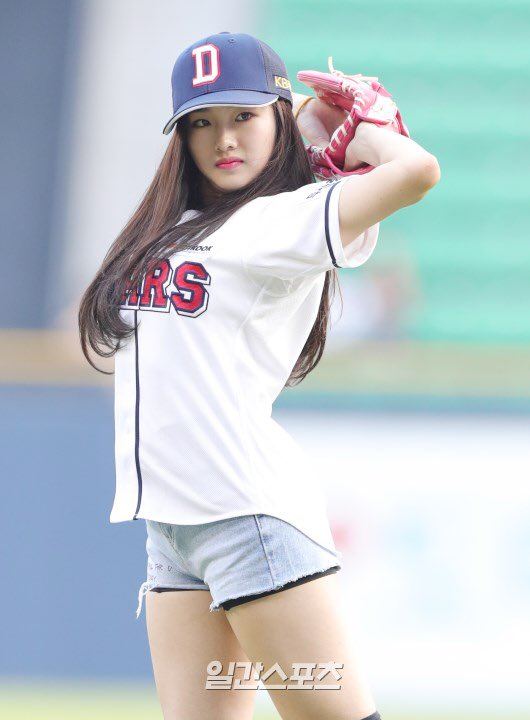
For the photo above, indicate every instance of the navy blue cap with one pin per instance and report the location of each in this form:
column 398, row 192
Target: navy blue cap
column 227, row 69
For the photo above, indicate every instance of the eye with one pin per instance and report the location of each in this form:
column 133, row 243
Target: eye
column 245, row 112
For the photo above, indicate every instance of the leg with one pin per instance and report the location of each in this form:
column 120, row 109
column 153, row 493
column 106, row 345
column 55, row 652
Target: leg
column 184, row 636
column 304, row 624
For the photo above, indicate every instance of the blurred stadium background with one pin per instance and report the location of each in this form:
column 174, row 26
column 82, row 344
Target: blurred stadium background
column 418, row 413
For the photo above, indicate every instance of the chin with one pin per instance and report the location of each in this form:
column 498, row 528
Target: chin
column 232, row 183
column 226, row 183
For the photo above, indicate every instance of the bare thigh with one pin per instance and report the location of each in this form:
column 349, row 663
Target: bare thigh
column 305, row 623
column 184, row 636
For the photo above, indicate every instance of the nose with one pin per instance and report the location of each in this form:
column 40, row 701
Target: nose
column 225, row 139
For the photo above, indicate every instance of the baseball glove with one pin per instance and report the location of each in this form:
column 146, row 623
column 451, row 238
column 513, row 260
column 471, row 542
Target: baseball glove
column 365, row 100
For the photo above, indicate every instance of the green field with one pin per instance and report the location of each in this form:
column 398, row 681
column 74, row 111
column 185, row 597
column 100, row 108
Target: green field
column 135, row 701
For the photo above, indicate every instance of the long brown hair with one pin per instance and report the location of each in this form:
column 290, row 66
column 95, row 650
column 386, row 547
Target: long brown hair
column 151, row 235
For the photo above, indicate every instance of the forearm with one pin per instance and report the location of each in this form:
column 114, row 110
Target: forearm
column 378, row 145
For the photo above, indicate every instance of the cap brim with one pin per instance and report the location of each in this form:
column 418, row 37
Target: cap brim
column 232, row 98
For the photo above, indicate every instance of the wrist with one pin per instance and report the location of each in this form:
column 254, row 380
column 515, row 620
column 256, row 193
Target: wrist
column 299, row 102
column 377, row 145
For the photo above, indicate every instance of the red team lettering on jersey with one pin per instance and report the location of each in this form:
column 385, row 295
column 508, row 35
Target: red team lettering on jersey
column 189, row 298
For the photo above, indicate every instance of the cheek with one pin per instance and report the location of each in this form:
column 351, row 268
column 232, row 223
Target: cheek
column 268, row 145
column 265, row 137
column 196, row 146
column 270, row 132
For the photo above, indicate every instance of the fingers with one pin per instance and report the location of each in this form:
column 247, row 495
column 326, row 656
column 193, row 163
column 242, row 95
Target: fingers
column 313, row 129
column 317, row 121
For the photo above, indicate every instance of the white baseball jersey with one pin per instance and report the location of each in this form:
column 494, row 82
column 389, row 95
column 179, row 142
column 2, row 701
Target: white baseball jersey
column 218, row 329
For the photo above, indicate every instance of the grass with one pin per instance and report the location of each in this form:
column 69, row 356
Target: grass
column 21, row 700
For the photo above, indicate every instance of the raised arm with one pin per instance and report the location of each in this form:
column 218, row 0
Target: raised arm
column 403, row 173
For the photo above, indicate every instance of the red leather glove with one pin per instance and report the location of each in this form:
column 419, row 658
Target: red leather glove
column 365, row 100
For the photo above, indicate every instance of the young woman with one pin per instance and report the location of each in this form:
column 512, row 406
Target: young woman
column 213, row 298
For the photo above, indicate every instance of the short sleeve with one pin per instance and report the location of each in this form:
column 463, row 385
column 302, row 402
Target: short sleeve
column 296, row 234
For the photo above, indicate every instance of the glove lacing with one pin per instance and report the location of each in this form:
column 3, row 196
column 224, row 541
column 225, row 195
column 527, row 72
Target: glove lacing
column 356, row 77
column 347, row 86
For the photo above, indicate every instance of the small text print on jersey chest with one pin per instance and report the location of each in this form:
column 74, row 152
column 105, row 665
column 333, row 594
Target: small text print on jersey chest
column 163, row 287
column 199, row 248
column 325, row 184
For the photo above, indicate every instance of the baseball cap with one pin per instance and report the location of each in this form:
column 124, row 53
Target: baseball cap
column 228, row 68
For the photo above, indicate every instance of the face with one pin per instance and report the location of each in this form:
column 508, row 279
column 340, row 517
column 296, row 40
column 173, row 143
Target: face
column 246, row 133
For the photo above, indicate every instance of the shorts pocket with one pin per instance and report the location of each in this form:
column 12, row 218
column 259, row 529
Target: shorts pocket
column 166, row 530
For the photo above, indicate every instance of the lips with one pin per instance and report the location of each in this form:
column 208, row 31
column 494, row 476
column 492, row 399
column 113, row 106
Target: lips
column 229, row 162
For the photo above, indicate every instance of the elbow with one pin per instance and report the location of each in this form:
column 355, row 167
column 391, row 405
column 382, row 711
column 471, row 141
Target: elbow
column 431, row 171
column 426, row 173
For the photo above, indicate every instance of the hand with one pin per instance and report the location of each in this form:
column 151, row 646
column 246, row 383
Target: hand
column 357, row 147
column 317, row 121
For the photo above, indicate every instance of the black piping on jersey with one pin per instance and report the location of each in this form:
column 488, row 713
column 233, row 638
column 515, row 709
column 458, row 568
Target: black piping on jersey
column 326, row 224
column 137, row 419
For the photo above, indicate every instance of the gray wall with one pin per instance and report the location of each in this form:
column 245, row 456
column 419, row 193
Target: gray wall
column 38, row 56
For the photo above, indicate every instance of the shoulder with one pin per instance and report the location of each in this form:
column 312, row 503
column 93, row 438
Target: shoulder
column 287, row 197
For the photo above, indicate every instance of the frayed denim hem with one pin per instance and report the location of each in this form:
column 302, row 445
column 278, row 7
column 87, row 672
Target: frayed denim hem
column 216, row 606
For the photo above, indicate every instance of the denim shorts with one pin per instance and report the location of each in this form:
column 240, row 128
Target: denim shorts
column 237, row 559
